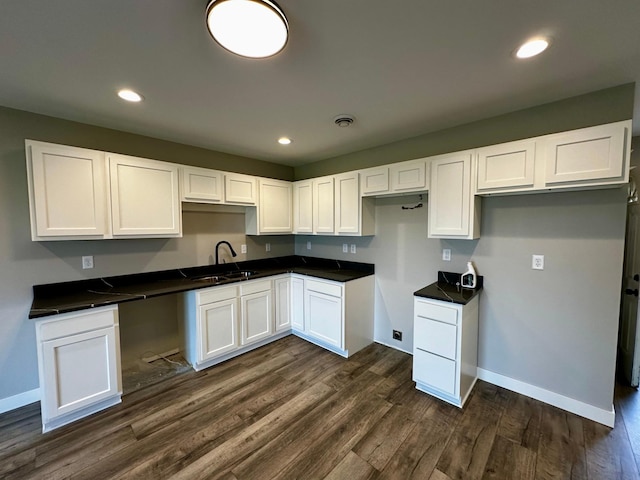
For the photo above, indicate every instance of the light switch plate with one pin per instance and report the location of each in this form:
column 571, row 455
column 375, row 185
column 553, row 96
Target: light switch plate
column 446, row 254
column 537, row 262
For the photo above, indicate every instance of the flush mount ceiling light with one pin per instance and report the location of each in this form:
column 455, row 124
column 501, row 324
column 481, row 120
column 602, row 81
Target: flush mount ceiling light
column 532, row 48
column 284, row 140
column 250, row 28
column 129, row 95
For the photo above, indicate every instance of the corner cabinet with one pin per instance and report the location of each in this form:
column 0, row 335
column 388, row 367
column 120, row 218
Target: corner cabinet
column 454, row 211
column 145, row 200
column 274, row 212
column 68, row 195
column 78, row 365
column 445, row 348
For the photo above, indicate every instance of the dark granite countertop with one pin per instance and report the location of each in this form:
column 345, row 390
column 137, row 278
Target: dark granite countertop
column 55, row 298
column 447, row 289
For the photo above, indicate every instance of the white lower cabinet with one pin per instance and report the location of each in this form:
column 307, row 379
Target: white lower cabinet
column 78, row 364
column 256, row 305
column 337, row 316
column 297, row 303
column 445, row 348
column 217, row 324
column 283, row 302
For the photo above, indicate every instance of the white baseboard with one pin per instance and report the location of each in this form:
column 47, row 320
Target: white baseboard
column 600, row 415
column 20, row 400
column 395, row 347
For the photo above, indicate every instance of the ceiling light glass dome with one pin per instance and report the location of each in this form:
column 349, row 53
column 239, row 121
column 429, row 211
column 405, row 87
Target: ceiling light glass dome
column 250, row 28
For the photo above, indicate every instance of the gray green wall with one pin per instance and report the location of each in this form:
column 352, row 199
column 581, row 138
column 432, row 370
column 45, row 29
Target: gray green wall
column 24, row 263
column 555, row 329
column 605, row 106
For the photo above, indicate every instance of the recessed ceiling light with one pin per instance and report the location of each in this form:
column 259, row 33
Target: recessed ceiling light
column 284, row 141
column 250, row 28
column 129, row 95
column 532, row 48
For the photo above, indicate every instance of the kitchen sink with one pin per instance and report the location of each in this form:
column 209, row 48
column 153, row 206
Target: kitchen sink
column 210, row 279
column 240, row 274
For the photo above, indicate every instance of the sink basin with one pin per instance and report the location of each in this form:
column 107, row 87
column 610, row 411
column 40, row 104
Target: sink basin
column 240, row 274
column 210, row 279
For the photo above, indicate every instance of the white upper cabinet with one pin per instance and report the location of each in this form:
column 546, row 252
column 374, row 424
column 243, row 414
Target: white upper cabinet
column 68, row 196
column 588, row 156
column 144, row 197
column 347, row 204
column 201, row 185
column 275, row 208
column 454, row 212
column 508, row 166
column 395, row 179
column 408, row 176
column 240, row 189
column 374, row 181
column 303, row 206
column 323, row 205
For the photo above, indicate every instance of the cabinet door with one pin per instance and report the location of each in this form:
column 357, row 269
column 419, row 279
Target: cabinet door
column 297, row 304
column 218, row 328
column 240, row 189
column 79, row 371
column 303, row 207
column 282, row 288
column 145, row 197
column 374, row 181
column 256, row 316
column 67, row 191
column 506, row 166
column 408, row 176
column 347, row 204
column 201, row 185
column 275, row 206
column 588, row 154
column 324, row 318
column 323, row 205
column 450, row 199
column 435, row 371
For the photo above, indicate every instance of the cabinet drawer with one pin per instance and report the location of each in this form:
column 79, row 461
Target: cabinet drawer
column 216, row 294
column 74, row 323
column 435, row 337
column 435, row 371
column 437, row 312
column 255, row 287
column 326, row 288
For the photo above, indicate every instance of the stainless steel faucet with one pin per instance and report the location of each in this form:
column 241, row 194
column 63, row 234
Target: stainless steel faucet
column 233, row 253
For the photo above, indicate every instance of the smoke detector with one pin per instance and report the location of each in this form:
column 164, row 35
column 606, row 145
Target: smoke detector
column 343, row 120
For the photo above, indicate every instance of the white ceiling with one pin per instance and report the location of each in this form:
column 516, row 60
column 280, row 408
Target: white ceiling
column 402, row 68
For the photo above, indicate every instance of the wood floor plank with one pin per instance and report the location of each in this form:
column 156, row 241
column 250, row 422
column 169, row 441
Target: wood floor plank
column 521, row 420
column 561, row 452
column 468, row 450
column 510, row 460
column 255, row 435
column 417, row 456
column 608, row 452
column 351, row 467
column 292, row 410
column 269, row 460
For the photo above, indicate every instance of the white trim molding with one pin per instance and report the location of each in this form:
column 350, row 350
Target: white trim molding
column 600, row 415
column 19, row 400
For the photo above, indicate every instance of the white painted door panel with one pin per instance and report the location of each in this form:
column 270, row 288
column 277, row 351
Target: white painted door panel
column 435, row 337
column 506, row 166
column 218, row 328
column 202, row 185
column 436, row 371
column 347, row 204
column 275, row 206
column 449, row 196
column 303, row 207
column 240, row 189
column 324, row 317
column 323, row 205
column 256, row 316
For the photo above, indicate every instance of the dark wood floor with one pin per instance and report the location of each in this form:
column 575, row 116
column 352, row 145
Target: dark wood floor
column 291, row 410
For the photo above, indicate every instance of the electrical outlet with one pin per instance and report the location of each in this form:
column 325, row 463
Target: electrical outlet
column 243, row 249
column 353, row 248
column 537, row 262
column 397, row 335
column 309, row 245
column 267, row 247
column 345, row 248
column 446, row 254
column 87, row 262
